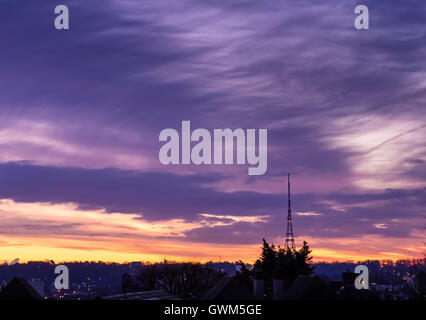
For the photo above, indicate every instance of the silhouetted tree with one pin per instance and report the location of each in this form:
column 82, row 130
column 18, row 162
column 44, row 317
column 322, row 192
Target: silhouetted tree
column 181, row 279
column 148, row 277
column 284, row 263
column 244, row 275
column 268, row 258
column 303, row 260
column 421, row 285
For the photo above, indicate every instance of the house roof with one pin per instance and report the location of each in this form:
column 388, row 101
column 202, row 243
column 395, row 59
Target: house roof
column 228, row 288
column 143, row 295
column 19, row 289
column 308, row 288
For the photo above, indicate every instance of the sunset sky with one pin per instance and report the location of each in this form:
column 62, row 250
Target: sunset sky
column 81, row 111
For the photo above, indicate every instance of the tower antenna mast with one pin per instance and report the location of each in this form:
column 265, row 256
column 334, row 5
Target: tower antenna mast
column 289, row 240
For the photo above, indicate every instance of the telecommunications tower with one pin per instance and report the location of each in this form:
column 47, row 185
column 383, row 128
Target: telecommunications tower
column 289, row 239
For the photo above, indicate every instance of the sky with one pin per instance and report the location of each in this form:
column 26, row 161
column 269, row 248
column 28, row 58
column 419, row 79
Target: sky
column 81, row 111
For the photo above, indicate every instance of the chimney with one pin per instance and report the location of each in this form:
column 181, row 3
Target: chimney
column 278, row 289
column 349, row 279
column 259, row 289
column 258, row 284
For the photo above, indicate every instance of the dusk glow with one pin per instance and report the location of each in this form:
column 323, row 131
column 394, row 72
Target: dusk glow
column 81, row 112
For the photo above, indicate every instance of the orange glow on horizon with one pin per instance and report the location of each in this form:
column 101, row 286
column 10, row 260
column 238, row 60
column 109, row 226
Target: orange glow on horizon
column 61, row 232
column 112, row 250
